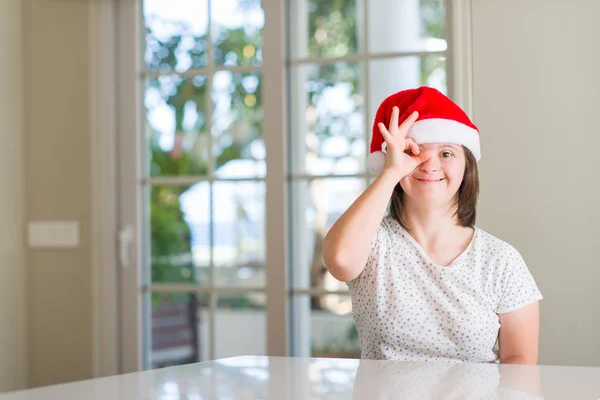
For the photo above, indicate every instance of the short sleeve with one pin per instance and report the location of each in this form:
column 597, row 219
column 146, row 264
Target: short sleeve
column 517, row 287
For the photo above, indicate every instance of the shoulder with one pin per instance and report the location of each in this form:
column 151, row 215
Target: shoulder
column 493, row 243
column 496, row 251
column 390, row 229
column 389, row 234
column 511, row 283
column 388, row 223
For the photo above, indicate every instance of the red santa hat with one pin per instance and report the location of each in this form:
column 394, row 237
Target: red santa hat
column 440, row 121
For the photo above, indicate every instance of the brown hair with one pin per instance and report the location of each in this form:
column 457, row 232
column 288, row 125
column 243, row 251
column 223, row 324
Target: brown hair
column 466, row 198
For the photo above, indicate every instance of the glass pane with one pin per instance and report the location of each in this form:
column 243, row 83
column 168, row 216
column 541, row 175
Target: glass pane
column 236, row 30
column 179, row 332
column 180, row 234
column 325, row 324
column 175, row 34
column 239, row 226
column 176, row 128
column 324, row 28
column 414, row 25
column 316, row 205
column 327, row 118
column 238, row 145
column 240, row 325
column 388, row 76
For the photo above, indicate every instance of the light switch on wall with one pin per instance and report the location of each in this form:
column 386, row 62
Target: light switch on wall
column 53, row 234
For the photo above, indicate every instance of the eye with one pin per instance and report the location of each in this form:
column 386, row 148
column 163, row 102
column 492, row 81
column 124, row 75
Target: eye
column 446, row 154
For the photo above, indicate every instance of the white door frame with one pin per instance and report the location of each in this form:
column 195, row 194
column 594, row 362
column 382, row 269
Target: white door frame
column 116, row 335
column 103, row 186
column 130, row 210
column 275, row 136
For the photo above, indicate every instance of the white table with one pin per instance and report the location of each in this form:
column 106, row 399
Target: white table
column 313, row 378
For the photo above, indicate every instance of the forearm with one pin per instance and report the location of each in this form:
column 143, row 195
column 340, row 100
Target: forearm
column 519, row 359
column 346, row 246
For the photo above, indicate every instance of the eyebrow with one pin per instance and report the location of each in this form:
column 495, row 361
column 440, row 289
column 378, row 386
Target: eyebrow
column 452, row 146
column 448, row 145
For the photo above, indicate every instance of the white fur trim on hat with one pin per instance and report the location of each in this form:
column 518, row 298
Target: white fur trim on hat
column 439, row 130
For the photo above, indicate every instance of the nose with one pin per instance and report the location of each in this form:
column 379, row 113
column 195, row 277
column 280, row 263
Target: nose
column 432, row 163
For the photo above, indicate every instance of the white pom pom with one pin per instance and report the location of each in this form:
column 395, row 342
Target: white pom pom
column 376, row 162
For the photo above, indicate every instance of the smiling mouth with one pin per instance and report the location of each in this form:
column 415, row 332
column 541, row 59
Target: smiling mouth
column 430, row 180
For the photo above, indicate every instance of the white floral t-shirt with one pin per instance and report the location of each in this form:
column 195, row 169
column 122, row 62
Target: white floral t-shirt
column 408, row 308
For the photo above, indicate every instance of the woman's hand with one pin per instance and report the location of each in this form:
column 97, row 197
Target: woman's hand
column 403, row 154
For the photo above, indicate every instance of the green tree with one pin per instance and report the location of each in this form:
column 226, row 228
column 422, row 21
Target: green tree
column 170, row 233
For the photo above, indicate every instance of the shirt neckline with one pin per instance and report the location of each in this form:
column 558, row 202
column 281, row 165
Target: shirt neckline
column 426, row 256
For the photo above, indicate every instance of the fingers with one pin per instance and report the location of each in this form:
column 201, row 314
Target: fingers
column 408, row 122
column 403, row 129
column 394, row 120
column 413, row 147
column 384, row 132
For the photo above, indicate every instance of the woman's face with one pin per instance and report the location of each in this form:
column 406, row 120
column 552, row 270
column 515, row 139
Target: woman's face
column 436, row 180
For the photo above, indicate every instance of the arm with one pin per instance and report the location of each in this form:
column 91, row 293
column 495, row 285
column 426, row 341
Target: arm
column 347, row 244
column 518, row 336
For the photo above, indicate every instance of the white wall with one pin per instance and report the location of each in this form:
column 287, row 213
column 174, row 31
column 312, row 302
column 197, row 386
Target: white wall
column 57, row 147
column 45, row 296
column 537, row 101
column 13, row 370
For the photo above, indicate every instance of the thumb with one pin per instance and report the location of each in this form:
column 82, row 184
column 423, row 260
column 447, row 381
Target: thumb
column 421, row 158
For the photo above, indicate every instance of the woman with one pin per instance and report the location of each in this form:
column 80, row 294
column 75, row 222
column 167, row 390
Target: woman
column 425, row 282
